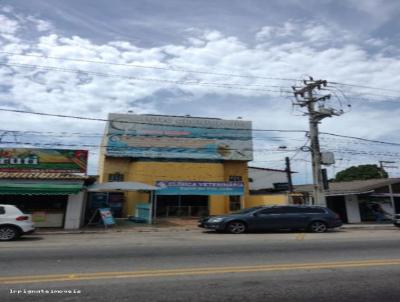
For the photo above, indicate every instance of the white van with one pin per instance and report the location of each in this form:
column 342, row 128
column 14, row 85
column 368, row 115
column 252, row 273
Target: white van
column 14, row 223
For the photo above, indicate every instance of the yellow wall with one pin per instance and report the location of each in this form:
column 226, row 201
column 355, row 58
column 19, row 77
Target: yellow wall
column 264, row 200
column 151, row 171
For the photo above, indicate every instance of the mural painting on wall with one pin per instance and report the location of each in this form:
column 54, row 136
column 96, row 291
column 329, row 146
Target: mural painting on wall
column 179, row 137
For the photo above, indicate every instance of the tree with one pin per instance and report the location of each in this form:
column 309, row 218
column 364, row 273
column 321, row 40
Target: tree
column 361, row 172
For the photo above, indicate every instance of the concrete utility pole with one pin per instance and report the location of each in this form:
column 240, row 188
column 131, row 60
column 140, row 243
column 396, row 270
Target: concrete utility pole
column 288, row 171
column 305, row 98
column 289, row 174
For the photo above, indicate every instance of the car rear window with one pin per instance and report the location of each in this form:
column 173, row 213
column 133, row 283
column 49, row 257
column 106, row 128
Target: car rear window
column 2, row 210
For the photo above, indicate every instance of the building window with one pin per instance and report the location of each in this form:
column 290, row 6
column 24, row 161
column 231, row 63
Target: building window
column 235, row 178
column 116, row 177
column 234, row 203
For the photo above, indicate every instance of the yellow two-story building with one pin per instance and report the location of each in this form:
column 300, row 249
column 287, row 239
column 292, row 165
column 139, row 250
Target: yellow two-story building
column 199, row 164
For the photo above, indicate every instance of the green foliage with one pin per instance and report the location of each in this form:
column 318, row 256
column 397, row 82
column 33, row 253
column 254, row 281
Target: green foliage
column 361, row 172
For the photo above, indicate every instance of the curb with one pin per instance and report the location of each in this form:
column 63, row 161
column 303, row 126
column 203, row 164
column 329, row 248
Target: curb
column 369, row 228
column 109, row 231
column 166, row 229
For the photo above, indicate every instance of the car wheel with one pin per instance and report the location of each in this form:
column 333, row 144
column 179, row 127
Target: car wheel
column 318, row 227
column 236, row 227
column 8, row 233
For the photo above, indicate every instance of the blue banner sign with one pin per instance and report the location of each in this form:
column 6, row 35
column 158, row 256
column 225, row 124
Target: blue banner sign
column 200, row 188
column 106, row 216
column 178, row 137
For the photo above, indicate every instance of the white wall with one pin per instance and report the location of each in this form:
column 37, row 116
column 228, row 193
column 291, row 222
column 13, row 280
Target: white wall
column 74, row 212
column 352, row 209
column 265, row 179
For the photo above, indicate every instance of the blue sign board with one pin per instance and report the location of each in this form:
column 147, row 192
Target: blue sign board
column 199, row 188
column 178, row 137
column 106, row 216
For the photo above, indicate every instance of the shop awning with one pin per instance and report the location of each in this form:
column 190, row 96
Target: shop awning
column 39, row 189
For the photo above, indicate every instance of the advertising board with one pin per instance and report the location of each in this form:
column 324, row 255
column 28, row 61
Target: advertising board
column 151, row 136
column 200, row 188
column 106, row 216
column 43, row 160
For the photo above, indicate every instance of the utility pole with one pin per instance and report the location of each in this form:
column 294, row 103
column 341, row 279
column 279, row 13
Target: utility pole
column 305, row 98
column 289, row 174
column 288, row 171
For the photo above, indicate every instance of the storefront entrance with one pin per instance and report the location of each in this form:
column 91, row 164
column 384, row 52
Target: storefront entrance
column 182, row 206
column 338, row 205
column 46, row 210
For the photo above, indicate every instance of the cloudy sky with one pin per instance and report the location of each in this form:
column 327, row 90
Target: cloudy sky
column 211, row 58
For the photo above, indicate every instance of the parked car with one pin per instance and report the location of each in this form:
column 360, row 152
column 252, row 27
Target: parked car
column 396, row 220
column 14, row 223
column 311, row 218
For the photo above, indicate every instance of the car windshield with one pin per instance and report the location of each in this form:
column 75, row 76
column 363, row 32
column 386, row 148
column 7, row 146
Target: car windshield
column 245, row 211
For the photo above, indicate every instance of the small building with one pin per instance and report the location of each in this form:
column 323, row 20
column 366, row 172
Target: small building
column 41, row 182
column 268, row 180
column 199, row 164
column 270, row 187
column 353, row 200
column 53, row 199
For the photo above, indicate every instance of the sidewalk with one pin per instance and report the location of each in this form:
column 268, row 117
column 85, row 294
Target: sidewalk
column 181, row 226
column 369, row 226
column 161, row 225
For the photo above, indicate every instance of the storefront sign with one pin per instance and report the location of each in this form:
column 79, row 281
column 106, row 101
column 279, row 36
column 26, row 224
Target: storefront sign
column 199, row 188
column 43, row 160
column 179, row 137
column 106, row 216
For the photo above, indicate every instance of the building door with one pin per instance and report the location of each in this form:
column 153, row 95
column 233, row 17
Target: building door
column 338, row 205
column 397, row 205
column 182, row 205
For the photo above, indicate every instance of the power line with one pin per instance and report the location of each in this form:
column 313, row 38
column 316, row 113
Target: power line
column 365, row 86
column 190, row 83
column 178, row 69
column 235, row 86
column 361, row 139
column 171, row 68
column 171, row 148
column 180, row 126
column 355, row 95
column 21, row 133
column 140, row 123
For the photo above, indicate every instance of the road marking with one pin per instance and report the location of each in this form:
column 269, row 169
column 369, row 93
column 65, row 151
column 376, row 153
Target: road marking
column 197, row 271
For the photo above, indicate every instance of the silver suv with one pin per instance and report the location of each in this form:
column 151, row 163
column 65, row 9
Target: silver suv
column 14, row 223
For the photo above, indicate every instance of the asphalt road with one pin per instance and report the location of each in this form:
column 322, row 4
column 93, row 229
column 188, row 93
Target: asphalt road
column 354, row 265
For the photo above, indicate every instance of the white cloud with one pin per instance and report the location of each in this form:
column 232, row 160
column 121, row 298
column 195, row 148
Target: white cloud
column 379, row 10
column 8, row 26
column 287, row 29
column 316, row 34
column 288, row 54
column 42, row 25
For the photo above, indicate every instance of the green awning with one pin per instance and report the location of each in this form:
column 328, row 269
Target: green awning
column 39, row 189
